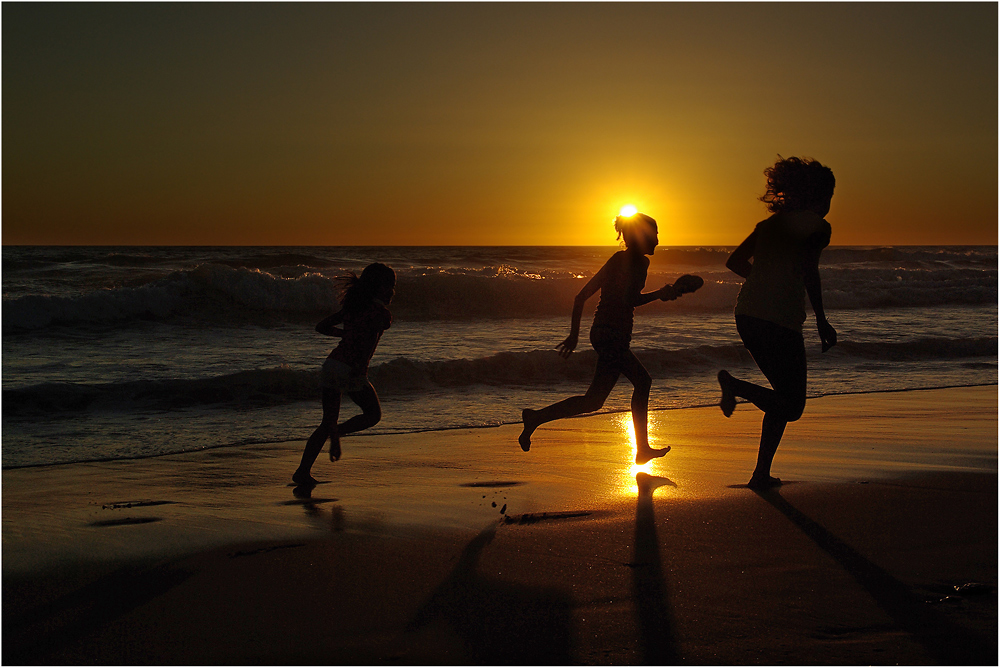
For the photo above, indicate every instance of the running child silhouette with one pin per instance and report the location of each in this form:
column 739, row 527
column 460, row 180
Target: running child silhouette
column 620, row 282
column 770, row 309
column 364, row 316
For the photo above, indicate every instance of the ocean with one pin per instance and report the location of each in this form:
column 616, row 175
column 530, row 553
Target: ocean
column 126, row 352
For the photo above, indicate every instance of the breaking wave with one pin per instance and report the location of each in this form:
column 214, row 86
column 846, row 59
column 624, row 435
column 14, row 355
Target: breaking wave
column 219, row 294
column 404, row 376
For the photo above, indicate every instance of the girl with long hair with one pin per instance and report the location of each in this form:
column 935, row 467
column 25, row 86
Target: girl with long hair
column 364, row 317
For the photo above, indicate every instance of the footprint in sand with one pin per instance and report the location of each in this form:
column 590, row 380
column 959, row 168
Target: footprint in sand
column 531, row 518
column 492, row 483
column 118, row 505
column 123, row 521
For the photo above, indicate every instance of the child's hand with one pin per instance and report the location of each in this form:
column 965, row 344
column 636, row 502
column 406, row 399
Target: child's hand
column 687, row 283
column 827, row 334
column 668, row 293
column 567, row 347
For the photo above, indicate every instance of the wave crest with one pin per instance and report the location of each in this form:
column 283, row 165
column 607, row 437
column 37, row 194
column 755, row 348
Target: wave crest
column 403, row 376
column 221, row 294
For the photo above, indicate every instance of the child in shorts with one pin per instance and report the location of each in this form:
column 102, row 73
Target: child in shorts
column 620, row 282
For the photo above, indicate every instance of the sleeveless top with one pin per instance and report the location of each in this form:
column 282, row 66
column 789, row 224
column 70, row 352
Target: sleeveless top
column 623, row 284
column 775, row 290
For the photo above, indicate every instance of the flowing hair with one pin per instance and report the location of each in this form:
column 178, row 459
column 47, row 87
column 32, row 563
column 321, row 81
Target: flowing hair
column 797, row 183
column 358, row 292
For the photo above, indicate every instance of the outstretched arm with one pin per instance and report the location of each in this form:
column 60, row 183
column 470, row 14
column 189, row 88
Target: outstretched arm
column 646, row 297
column 328, row 326
column 739, row 262
column 567, row 347
column 683, row 285
column 810, row 275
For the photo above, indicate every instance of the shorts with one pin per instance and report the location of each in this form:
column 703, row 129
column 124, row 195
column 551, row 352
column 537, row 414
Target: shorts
column 337, row 375
column 780, row 354
column 611, row 344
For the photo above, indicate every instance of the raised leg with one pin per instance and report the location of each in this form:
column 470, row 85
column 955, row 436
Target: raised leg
column 605, row 377
column 371, row 411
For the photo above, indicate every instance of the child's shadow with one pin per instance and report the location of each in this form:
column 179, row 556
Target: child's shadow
column 946, row 643
column 499, row 623
column 649, row 589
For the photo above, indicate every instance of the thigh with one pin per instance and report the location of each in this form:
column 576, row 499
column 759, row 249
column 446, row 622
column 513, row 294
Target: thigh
column 633, row 369
column 605, row 376
column 779, row 352
column 366, row 398
column 612, row 354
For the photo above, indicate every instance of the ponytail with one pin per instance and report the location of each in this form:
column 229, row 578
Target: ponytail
column 626, row 225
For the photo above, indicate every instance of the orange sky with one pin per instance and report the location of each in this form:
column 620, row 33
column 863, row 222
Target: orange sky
column 490, row 124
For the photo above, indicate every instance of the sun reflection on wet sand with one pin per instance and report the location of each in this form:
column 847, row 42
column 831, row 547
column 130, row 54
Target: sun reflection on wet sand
column 627, row 485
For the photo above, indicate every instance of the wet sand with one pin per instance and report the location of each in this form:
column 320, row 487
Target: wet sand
column 457, row 548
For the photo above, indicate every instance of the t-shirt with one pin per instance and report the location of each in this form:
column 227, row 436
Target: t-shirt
column 362, row 331
column 622, row 286
column 775, row 289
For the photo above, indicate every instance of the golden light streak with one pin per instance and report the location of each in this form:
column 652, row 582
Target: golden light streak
column 627, row 484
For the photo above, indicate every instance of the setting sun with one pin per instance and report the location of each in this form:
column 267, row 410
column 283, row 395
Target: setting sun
column 628, row 210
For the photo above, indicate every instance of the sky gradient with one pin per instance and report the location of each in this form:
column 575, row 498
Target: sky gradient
column 491, row 124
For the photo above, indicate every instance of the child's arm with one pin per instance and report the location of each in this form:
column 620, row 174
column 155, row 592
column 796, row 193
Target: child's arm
column 327, row 326
column 739, row 262
column 646, row 297
column 593, row 285
column 810, row 276
column 641, row 298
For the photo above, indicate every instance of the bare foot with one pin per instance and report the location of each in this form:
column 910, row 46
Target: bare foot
column 334, row 447
column 527, row 417
column 728, row 403
column 763, row 482
column 643, row 455
column 303, row 478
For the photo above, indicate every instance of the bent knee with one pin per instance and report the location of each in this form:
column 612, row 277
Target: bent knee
column 793, row 410
column 592, row 403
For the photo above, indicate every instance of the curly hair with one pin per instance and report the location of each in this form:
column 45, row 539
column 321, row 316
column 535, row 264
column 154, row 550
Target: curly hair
column 625, row 225
column 359, row 291
column 797, row 183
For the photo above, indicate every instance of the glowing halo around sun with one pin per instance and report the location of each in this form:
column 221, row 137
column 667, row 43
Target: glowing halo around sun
column 628, row 210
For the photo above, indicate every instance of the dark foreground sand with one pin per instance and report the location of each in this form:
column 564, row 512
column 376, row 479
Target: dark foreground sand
column 209, row 558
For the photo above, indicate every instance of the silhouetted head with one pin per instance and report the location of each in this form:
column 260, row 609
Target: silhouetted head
column 377, row 281
column 798, row 183
column 639, row 232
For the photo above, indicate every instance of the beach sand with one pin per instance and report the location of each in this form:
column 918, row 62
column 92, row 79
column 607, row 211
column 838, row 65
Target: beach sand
column 455, row 547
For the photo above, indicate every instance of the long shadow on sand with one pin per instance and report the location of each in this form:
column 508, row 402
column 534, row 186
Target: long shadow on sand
column 33, row 636
column 499, row 623
column 944, row 641
column 656, row 626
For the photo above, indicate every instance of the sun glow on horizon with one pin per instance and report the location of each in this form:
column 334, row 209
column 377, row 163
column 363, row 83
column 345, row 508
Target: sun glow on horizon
column 628, row 210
